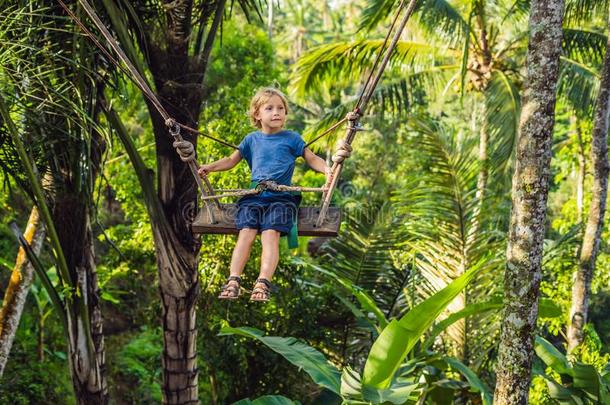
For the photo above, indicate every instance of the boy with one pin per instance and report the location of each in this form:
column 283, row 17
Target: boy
column 270, row 152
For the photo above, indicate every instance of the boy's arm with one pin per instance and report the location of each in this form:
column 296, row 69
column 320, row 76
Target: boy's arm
column 223, row 164
column 317, row 163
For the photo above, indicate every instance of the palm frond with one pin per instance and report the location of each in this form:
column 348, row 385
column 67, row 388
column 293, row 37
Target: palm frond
column 396, row 96
column 438, row 17
column 584, row 46
column 578, row 12
column 442, row 20
column 578, row 83
column 502, row 111
column 349, row 61
column 363, row 254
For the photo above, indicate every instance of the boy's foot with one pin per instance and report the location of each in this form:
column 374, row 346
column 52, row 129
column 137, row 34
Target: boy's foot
column 231, row 289
column 261, row 291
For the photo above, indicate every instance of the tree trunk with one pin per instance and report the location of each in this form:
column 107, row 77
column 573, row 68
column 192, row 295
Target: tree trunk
column 178, row 280
column 178, row 78
column 582, row 169
column 482, row 177
column 581, row 288
column 87, row 365
column 18, row 288
column 529, row 198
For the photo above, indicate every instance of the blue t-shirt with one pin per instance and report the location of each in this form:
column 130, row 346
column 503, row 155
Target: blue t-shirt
column 272, row 156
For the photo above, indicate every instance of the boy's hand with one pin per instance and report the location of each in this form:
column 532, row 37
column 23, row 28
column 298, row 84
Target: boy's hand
column 204, row 170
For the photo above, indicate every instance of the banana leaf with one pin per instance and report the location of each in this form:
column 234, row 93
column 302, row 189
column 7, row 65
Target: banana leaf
column 400, row 336
column 298, row 353
column 268, row 400
column 475, row 383
column 547, row 309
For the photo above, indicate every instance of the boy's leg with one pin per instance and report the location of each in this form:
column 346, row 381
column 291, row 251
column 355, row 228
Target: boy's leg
column 241, row 253
column 269, row 259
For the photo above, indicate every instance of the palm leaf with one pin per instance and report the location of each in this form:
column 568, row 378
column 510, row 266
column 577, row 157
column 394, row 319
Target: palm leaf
column 475, row 382
column 349, row 61
column 546, row 309
column 502, row 111
column 366, row 301
column 578, row 83
column 580, row 12
column 437, row 16
column 439, row 207
column 585, row 46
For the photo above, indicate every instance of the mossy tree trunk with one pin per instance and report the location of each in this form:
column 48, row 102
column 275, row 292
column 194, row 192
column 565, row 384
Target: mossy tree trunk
column 581, row 289
column 529, row 199
column 18, row 287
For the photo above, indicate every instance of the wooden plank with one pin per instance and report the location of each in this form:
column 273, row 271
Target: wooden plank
column 225, row 221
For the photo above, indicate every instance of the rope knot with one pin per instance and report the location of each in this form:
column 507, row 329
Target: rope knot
column 173, row 126
column 266, row 185
column 353, row 115
column 185, row 150
column 344, row 150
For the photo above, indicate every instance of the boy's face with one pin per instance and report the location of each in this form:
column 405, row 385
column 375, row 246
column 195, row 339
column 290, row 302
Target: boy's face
column 272, row 115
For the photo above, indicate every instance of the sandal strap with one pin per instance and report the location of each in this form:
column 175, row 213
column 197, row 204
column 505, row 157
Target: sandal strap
column 265, row 282
column 234, row 278
column 261, row 290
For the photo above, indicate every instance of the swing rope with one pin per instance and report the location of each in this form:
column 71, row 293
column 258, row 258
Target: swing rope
column 174, row 129
column 365, row 96
column 185, row 149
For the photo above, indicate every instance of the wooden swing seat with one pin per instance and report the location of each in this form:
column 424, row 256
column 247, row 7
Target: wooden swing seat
column 225, row 221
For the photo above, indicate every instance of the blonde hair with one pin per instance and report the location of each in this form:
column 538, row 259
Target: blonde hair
column 261, row 97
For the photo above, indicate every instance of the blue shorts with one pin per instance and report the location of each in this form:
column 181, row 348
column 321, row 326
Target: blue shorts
column 268, row 210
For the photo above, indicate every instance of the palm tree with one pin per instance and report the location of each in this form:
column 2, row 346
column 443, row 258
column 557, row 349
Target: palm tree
column 53, row 92
column 175, row 43
column 443, row 229
column 475, row 62
column 529, row 197
column 591, row 240
column 479, row 52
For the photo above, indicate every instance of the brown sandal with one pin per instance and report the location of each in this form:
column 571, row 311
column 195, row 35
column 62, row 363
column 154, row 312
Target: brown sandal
column 233, row 291
column 265, row 290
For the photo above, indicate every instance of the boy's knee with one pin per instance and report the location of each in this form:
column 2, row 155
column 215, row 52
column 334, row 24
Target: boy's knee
column 248, row 234
column 270, row 234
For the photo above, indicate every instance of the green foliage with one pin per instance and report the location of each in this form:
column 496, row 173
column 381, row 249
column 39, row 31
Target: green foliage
column 268, row 400
column 137, row 368
column 579, row 382
column 389, row 257
column 400, row 336
column 386, row 356
column 313, row 362
column 29, row 380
